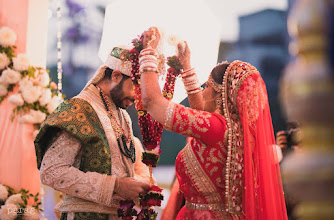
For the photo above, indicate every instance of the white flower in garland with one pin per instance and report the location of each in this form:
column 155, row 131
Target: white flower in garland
column 25, row 83
column 30, row 213
column 4, row 60
column 55, row 101
column 3, row 193
column 16, row 99
column 46, row 97
column 14, row 199
column 32, row 94
column 7, row 37
column 11, row 76
column 8, row 212
column 21, row 62
column 3, row 90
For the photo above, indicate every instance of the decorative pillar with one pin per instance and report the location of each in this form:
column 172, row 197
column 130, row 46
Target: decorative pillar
column 308, row 96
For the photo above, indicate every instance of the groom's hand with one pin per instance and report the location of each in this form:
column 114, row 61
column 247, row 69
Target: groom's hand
column 129, row 188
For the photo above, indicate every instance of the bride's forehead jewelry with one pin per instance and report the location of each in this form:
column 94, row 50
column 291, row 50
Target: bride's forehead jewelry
column 216, row 86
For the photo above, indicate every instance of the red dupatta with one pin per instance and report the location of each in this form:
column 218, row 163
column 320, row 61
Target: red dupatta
column 246, row 109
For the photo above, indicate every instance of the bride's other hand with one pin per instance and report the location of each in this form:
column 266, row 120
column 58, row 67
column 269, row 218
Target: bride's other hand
column 184, row 55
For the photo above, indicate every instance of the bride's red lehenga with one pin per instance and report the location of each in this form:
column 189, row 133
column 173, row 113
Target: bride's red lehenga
column 229, row 168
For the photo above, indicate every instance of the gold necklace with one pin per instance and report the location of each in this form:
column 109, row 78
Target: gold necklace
column 119, row 131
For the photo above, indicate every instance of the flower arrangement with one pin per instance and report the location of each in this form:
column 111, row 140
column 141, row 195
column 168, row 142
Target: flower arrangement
column 36, row 96
column 14, row 205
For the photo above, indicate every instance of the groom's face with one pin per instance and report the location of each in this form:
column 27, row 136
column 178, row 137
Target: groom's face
column 123, row 93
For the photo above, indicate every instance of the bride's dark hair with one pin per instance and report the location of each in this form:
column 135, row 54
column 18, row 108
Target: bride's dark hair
column 218, row 71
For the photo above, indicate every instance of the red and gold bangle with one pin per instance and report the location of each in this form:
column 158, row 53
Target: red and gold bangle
column 190, row 81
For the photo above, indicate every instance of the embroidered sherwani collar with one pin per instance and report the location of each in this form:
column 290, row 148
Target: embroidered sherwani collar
column 121, row 166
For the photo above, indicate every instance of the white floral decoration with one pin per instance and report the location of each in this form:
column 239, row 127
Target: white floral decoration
column 3, row 193
column 16, row 99
column 32, row 94
column 33, row 117
column 44, row 78
column 46, row 97
column 3, row 81
column 38, row 116
column 4, row 60
column 25, row 83
column 11, row 76
column 15, row 206
column 7, row 37
column 8, row 212
column 30, row 213
column 21, row 62
column 55, row 101
column 14, row 199
column 3, row 90
column 36, row 96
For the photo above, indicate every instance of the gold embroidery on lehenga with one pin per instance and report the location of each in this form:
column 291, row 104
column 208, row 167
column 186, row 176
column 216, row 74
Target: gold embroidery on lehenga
column 198, row 176
column 189, row 121
column 200, row 148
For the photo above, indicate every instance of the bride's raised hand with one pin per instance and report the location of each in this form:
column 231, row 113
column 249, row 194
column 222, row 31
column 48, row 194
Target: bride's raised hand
column 151, row 38
column 184, row 54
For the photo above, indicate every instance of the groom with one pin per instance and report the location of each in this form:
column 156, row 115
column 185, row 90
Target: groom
column 85, row 148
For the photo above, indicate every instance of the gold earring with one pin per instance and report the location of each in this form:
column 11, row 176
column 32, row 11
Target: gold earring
column 219, row 104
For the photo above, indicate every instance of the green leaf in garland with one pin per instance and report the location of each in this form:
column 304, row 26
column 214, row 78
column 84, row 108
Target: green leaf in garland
column 174, row 62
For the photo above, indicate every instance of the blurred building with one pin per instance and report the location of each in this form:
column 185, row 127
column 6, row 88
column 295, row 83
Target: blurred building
column 263, row 42
column 81, row 27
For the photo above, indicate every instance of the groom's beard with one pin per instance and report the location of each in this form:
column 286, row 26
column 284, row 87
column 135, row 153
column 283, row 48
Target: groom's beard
column 117, row 95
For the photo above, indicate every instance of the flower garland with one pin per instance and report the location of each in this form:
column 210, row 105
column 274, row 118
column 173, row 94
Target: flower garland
column 126, row 210
column 14, row 205
column 151, row 133
column 36, row 97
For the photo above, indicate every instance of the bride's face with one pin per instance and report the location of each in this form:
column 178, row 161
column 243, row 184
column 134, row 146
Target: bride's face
column 209, row 97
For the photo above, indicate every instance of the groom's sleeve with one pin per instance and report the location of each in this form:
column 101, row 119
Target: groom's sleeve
column 59, row 171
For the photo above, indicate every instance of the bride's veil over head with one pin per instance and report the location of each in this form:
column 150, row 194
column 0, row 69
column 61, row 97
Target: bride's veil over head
column 251, row 143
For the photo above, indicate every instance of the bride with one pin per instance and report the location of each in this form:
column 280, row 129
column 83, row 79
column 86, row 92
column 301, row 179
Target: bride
column 229, row 168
